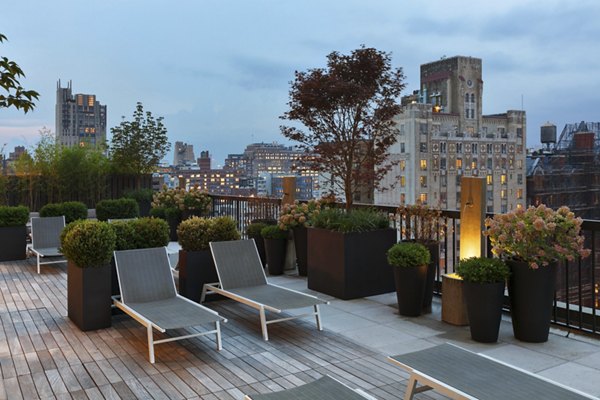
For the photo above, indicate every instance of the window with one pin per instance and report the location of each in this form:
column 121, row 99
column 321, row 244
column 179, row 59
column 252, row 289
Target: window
column 520, row 179
column 423, row 181
column 423, row 198
column 458, row 163
column 503, row 179
column 489, row 148
column 466, row 97
column 402, row 165
column 474, row 164
column 443, row 180
column 423, row 147
column 490, row 179
column 474, row 148
column 458, row 180
column 472, row 113
column 443, row 163
column 423, row 165
column 466, row 113
column 423, row 128
column 402, row 181
column 520, row 132
column 402, row 129
column 402, row 147
column 519, row 164
column 503, row 194
column 519, row 193
column 402, row 198
column 472, row 97
column 503, row 148
column 442, row 147
column 459, row 148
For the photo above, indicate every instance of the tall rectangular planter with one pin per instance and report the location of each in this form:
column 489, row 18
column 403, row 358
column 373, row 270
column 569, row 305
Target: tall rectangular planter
column 88, row 296
column 195, row 269
column 13, row 241
column 350, row 265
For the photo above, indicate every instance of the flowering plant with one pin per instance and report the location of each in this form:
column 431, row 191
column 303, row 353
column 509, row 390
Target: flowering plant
column 420, row 222
column 180, row 199
column 538, row 235
column 298, row 214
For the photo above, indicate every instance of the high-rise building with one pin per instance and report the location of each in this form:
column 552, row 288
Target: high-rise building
column 204, row 161
column 80, row 118
column 183, row 154
column 443, row 135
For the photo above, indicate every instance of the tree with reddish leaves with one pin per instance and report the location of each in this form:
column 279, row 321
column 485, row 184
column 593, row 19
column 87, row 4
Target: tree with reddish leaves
column 347, row 110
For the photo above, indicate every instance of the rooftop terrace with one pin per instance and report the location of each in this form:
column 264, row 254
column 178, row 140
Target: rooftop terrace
column 44, row 355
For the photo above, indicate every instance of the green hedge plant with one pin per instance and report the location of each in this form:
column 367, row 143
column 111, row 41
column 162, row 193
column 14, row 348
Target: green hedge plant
column 117, row 209
column 408, row 254
column 125, row 233
column 253, row 230
column 13, row 216
column 72, row 210
column 273, row 232
column 482, row 270
column 88, row 243
column 355, row 220
column 195, row 233
column 150, row 232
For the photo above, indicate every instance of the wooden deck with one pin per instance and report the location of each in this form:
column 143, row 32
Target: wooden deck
column 43, row 354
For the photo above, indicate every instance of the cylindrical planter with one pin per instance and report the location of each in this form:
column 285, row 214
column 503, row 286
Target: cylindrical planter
column 275, row 249
column 88, row 296
column 531, row 293
column 301, row 246
column 410, row 287
column 260, row 246
column 434, row 251
column 195, row 269
column 484, row 308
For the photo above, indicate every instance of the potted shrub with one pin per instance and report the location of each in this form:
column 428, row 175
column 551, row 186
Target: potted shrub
column 296, row 217
column 347, row 253
column 423, row 224
column 72, row 210
column 196, row 265
column 143, row 197
column 175, row 205
column 117, row 209
column 484, row 281
column 88, row 246
column 410, row 261
column 13, row 232
column 275, row 248
column 253, row 232
column 532, row 242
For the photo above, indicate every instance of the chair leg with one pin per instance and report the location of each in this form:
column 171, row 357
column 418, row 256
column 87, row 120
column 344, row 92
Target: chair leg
column 410, row 388
column 38, row 262
column 203, row 294
column 263, row 324
column 219, row 345
column 150, row 344
column 318, row 317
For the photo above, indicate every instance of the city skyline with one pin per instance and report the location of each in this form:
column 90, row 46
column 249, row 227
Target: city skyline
column 219, row 72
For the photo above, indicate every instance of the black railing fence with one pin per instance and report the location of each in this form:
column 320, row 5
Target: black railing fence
column 577, row 298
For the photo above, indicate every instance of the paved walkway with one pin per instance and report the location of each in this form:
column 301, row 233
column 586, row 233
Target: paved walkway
column 43, row 354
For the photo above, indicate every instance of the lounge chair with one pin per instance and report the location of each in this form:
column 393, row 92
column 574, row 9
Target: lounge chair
column 462, row 374
column 149, row 296
column 242, row 278
column 45, row 239
column 324, row 388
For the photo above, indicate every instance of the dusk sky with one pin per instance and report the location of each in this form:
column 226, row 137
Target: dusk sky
column 219, row 71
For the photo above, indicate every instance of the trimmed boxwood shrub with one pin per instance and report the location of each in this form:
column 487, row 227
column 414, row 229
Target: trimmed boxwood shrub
column 483, row 270
column 13, row 216
column 140, row 195
column 117, row 209
column 273, row 232
column 253, row 230
column 150, row 232
column 88, row 243
column 125, row 233
column 195, row 234
column 72, row 210
column 355, row 220
column 408, row 254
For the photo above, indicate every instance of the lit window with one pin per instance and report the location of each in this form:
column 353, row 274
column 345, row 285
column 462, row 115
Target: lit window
column 402, row 165
column 519, row 193
column 489, row 179
column 423, row 181
column 503, row 194
column 423, row 198
column 458, row 163
column 423, row 165
column 474, row 164
column 503, row 179
column 402, row 181
column 402, row 198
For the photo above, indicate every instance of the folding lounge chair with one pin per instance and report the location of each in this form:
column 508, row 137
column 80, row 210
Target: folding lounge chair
column 242, row 278
column 149, row 296
column 45, row 238
column 323, row 388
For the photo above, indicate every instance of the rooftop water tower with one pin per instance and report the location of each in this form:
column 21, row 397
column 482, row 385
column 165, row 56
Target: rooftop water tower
column 548, row 134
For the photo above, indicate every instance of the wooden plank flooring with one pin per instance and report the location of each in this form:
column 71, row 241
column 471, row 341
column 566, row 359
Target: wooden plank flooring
column 43, row 354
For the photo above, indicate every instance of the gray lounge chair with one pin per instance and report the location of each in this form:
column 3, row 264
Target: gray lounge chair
column 45, row 239
column 148, row 295
column 324, row 388
column 242, row 278
column 462, row 374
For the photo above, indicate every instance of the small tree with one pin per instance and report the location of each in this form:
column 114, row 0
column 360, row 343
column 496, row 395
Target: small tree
column 139, row 145
column 348, row 111
column 15, row 95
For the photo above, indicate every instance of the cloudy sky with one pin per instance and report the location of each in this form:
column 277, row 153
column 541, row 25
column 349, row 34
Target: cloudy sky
column 218, row 71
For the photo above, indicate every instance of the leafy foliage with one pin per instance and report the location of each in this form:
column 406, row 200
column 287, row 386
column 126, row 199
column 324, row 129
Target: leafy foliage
column 88, row 243
column 253, row 230
column 273, row 232
column 140, row 195
column 150, row 232
column 483, row 270
column 16, row 96
column 13, row 216
column 125, row 235
column 408, row 254
column 117, row 209
column 355, row 220
column 72, row 210
column 139, row 145
column 195, row 234
column 348, row 112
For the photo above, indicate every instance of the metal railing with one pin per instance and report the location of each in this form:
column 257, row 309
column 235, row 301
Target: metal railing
column 577, row 298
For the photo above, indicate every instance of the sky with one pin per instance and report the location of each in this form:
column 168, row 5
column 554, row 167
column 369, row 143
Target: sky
column 219, row 71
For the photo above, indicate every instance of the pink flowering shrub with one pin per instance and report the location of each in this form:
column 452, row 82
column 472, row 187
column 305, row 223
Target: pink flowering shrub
column 538, row 235
column 298, row 214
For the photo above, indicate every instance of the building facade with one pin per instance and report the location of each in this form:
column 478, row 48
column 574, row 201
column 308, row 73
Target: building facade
column 183, row 154
column 80, row 118
column 443, row 136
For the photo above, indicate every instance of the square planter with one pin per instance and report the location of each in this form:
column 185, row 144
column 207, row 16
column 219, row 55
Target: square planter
column 88, row 296
column 350, row 265
column 195, row 269
column 13, row 242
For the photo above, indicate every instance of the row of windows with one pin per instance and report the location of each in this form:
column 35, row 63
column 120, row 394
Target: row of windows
column 504, row 163
column 444, row 180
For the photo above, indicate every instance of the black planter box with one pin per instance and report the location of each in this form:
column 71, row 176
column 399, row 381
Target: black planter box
column 276, row 250
column 13, row 241
column 88, row 296
column 350, row 265
column 195, row 269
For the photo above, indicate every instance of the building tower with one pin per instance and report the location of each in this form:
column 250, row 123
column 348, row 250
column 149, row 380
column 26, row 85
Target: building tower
column 184, row 154
column 443, row 135
column 80, row 119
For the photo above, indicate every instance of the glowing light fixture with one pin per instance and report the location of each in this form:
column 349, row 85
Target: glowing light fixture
column 472, row 216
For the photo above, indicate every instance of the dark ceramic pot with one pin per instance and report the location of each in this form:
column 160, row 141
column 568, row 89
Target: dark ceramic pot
column 484, row 308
